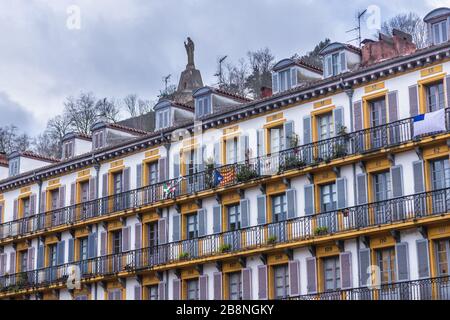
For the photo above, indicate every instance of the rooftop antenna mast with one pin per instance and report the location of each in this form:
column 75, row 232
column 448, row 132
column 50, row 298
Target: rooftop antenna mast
column 358, row 28
column 219, row 74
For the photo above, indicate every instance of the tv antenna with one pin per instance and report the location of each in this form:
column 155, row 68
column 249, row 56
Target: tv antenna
column 358, row 28
column 219, row 74
column 166, row 81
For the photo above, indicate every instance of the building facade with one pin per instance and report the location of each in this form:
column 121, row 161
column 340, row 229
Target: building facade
column 337, row 186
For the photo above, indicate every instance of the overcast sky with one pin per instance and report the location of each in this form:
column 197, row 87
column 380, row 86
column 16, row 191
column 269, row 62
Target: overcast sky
column 127, row 46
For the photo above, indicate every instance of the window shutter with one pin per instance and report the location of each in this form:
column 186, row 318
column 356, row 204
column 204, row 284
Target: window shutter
column 338, row 115
column 32, row 205
column 260, row 142
column 71, row 247
column 60, row 249
column 261, row 202
column 246, row 275
column 262, row 282
column 294, row 278
column 1, row 213
column 309, row 199
column 345, row 260
column 307, row 136
column 15, row 209
column 12, row 263
column 92, row 245
column 275, row 82
column 294, row 77
column 92, row 188
column 105, row 185
column 3, row 258
column 176, row 222
column 341, row 187
column 413, row 101
column 397, row 181
column 103, row 236
column 361, row 187
column 139, row 176
column 289, row 135
column 162, row 232
column 176, row 286
column 72, row 193
column 343, row 62
column 357, row 114
column 126, row 179
column 176, row 165
column 217, row 155
column 423, row 260
column 126, row 238
column 393, row 106
column 201, row 213
column 311, row 275
column 40, row 257
column 291, row 199
column 30, row 262
column 162, row 290
column 243, row 148
column 137, row 292
column 245, row 213
column 401, row 251
column 62, row 196
column 162, row 169
column 42, row 202
column 419, row 183
column 217, row 281
column 364, row 265
column 217, row 219
column 329, row 66
column 447, row 85
column 203, row 287
column 138, row 236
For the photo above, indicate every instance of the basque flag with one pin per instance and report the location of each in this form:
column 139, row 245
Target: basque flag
column 429, row 123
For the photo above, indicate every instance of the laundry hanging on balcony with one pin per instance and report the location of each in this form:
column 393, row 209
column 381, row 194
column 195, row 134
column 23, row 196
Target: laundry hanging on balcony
column 428, row 123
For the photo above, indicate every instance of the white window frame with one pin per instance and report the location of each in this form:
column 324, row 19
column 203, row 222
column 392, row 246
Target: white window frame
column 439, row 37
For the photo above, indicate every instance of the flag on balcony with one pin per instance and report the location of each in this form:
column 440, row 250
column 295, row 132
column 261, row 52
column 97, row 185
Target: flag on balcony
column 228, row 176
column 218, row 178
column 169, row 188
column 432, row 122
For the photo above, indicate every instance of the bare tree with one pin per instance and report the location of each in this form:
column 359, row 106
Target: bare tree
column 410, row 23
column 261, row 63
column 313, row 56
column 11, row 140
column 234, row 78
column 82, row 112
column 136, row 106
column 50, row 141
column 108, row 109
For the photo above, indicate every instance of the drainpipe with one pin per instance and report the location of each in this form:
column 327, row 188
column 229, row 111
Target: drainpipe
column 97, row 185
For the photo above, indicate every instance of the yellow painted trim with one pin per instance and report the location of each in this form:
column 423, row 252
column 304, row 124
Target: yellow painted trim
column 314, row 115
column 274, row 124
column 117, row 163
column 374, row 87
column 381, row 241
column 422, row 84
column 323, row 103
column 431, row 71
column 274, row 117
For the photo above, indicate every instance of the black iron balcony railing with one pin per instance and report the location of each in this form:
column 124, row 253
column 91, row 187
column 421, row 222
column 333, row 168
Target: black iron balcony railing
column 423, row 289
column 346, row 144
column 398, row 210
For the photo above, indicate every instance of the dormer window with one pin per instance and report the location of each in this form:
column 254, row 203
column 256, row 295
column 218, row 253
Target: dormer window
column 203, row 106
column 68, row 150
column 14, row 167
column 163, row 119
column 438, row 25
column 335, row 64
column 290, row 73
column 98, row 139
column 440, row 32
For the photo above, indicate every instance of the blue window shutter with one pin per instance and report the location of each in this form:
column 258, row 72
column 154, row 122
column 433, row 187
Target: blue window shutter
column 12, row 262
column 137, row 292
column 138, row 236
column 105, row 185
column 176, row 165
column 413, row 101
column 289, row 135
column 423, row 259
column 261, row 142
column 176, row 223
column 92, row 188
column 262, row 282
column 364, row 265
column 30, row 262
column 217, row 154
column 126, row 238
column 217, row 219
column 162, row 169
column 203, row 287
column 176, row 286
column 447, row 86
column 243, row 148
column 138, row 175
column 291, row 199
column 338, row 115
column 419, row 183
column 15, row 209
column 103, row 243
column 397, row 181
column 217, row 282
column 275, row 82
column 307, row 134
column 201, row 213
column 341, row 187
column 71, row 247
column 294, row 278
column 309, row 199
column 343, row 62
column 62, row 196
column 126, row 179
column 402, row 255
column 246, row 275
column 42, row 202
column 32, row 204
column 245, row 213
column 311, row 275
column 393, row 106
column 162, row 290
column 358, row 116
column 40, row 257
column 345, row 260
column 72, row 193
column 361, row 188
column 60, row 249
column 261, row 202
column 92, row 245
column 162, row 231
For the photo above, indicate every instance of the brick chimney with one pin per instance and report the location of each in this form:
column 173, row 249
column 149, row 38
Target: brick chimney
column 266, row 92
column 400, row 44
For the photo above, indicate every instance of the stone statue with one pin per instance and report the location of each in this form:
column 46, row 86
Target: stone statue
column 189, row 45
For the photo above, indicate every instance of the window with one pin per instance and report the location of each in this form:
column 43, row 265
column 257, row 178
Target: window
column 152, row 292
column 442, row 257
column 276, row 139
column 378, row 112
column 440, row 174
column 163, row 119
column 98, row 139
column 152, row 168
column 386, row 263
column 203, row 106
column 84, row 188
column 435, row 96
column 382, row 186
column 54, row 198
column 68, row 149
column 235, row 286
column 83, row 249
column 325, row 126
column 192, row 289
column 117, row 180
column 234, row 218
column 117, row 242
column 285, row 82
column 23, row 259
column 331, row 274
column 231, row 146
column 152, row 231
column 26, row 207
column 440, row 33
column 52, row 255
column 335, row 64
column 279, row 208
column 14, row 167
column 281, row 281
column 328, row 197
column 191, row 226
column 115, row 294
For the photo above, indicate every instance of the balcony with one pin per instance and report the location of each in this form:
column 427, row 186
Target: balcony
column 289, row 234
column 346, row 144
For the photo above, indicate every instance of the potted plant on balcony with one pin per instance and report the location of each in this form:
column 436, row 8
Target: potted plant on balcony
column 183, row 256
column 245, row 173
column 321, row 231
column 272, row 239
column 340, row 149
column 226, row 247
column 291, row 161
column 209, row 173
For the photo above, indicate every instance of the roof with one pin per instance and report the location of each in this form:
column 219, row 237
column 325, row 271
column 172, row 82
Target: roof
column 298, row 62
column 167, row 102
column 437, row 14
column 332, row 47
column 77, row 135
column 117, row 126
column 32, row 155
column 222, row 92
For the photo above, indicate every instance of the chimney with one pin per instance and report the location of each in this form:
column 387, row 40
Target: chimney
column 266, row 92
column 400, row 44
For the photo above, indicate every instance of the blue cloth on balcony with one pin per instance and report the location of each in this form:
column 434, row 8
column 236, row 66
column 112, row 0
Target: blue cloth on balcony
column 428, row 123
column 218, row 178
